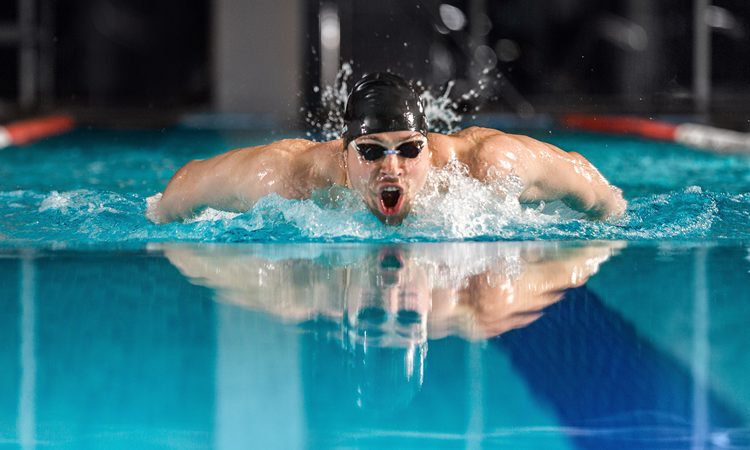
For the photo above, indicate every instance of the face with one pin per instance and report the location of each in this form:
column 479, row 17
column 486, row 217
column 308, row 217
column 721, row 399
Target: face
column 389, row 297
column 389, row 183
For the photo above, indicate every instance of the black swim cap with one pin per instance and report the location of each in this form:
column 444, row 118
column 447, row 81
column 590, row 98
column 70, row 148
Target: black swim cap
column 382, row 102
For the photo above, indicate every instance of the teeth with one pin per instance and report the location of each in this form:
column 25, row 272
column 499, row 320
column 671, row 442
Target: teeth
column 391, row 189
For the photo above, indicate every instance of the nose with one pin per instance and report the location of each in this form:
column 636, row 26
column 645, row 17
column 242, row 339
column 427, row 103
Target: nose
column 390, row 166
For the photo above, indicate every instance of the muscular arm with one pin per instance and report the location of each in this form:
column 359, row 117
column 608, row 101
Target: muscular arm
column 549, row 173
column 236, row 180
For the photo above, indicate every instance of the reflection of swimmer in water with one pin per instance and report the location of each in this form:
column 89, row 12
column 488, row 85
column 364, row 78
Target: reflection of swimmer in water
column 386, row 302
column 470, row 289
column 387, row 154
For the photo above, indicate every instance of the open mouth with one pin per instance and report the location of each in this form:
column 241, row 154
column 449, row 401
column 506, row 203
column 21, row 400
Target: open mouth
column 391, row 198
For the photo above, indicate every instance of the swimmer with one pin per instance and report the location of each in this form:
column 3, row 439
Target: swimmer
column 385, row 154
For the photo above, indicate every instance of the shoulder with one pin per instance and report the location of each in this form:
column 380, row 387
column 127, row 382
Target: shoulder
column 461, row 145
column 474, row 142
column 282, row 151
column 487, row 143
column 314, row 165
column 489, row 153
column 280, row 148
column 300, row 149
column 489, row 138
column 477, row 133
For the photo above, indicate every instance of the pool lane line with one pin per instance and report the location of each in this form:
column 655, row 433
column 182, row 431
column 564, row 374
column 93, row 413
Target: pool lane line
column 703, row 137
column 26, row 131
column 649, row 393
column 26, row 416
column 701, row 353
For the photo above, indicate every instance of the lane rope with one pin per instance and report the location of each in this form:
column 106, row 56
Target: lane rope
column 23, row 132
column 699, row 136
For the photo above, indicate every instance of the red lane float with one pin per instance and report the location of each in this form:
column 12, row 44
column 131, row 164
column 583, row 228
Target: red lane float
column 695, row 135
column 26, row 131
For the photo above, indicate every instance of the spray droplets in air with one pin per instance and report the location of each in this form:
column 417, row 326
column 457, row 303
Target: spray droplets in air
column 441, row 110
column 329, row 121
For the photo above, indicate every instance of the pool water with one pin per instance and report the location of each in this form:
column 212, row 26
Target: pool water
column 377, row 346
column 479, row 323
column 90, row 189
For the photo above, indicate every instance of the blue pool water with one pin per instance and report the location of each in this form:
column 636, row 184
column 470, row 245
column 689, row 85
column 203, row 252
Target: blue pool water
column 377, row 346
column 305, row 325
column 90, row 188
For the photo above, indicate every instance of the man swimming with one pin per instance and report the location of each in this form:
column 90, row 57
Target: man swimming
column 385, row 154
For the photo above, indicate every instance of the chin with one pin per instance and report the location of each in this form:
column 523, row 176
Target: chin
column 391, row 219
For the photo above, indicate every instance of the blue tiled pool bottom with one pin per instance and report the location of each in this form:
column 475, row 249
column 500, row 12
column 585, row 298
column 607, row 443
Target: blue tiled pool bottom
column 377, row 346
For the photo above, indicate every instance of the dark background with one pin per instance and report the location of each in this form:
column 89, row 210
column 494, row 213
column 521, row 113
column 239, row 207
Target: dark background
column 541, row 56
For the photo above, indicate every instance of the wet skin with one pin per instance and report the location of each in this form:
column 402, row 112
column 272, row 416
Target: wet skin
column 403, row 176
column 294, row 168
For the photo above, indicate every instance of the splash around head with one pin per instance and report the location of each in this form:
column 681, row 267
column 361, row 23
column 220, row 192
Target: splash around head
column 386, row 149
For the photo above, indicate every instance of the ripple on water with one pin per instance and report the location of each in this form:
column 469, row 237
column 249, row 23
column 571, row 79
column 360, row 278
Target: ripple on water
column 453, row 206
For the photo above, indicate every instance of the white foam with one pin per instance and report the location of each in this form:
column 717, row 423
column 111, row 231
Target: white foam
column 151, row 203
column 56, row 201
column 213, row 215
column 81, row 201
column 463, row 207
column 207, row 215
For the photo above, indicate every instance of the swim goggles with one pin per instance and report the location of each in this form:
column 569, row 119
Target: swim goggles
column 376, row 327
column 372, row 151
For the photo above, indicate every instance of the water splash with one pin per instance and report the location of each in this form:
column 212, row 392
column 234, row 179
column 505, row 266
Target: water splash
column 441, row 110
column 328, row 121
column 109, row 211
column 455, row 202
column 452, row 207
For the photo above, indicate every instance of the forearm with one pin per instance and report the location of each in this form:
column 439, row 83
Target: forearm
column 167, row 209
column 182, row 197
column 573, row 179
column 602, row 201
column 611, row 204
column 164, row 209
